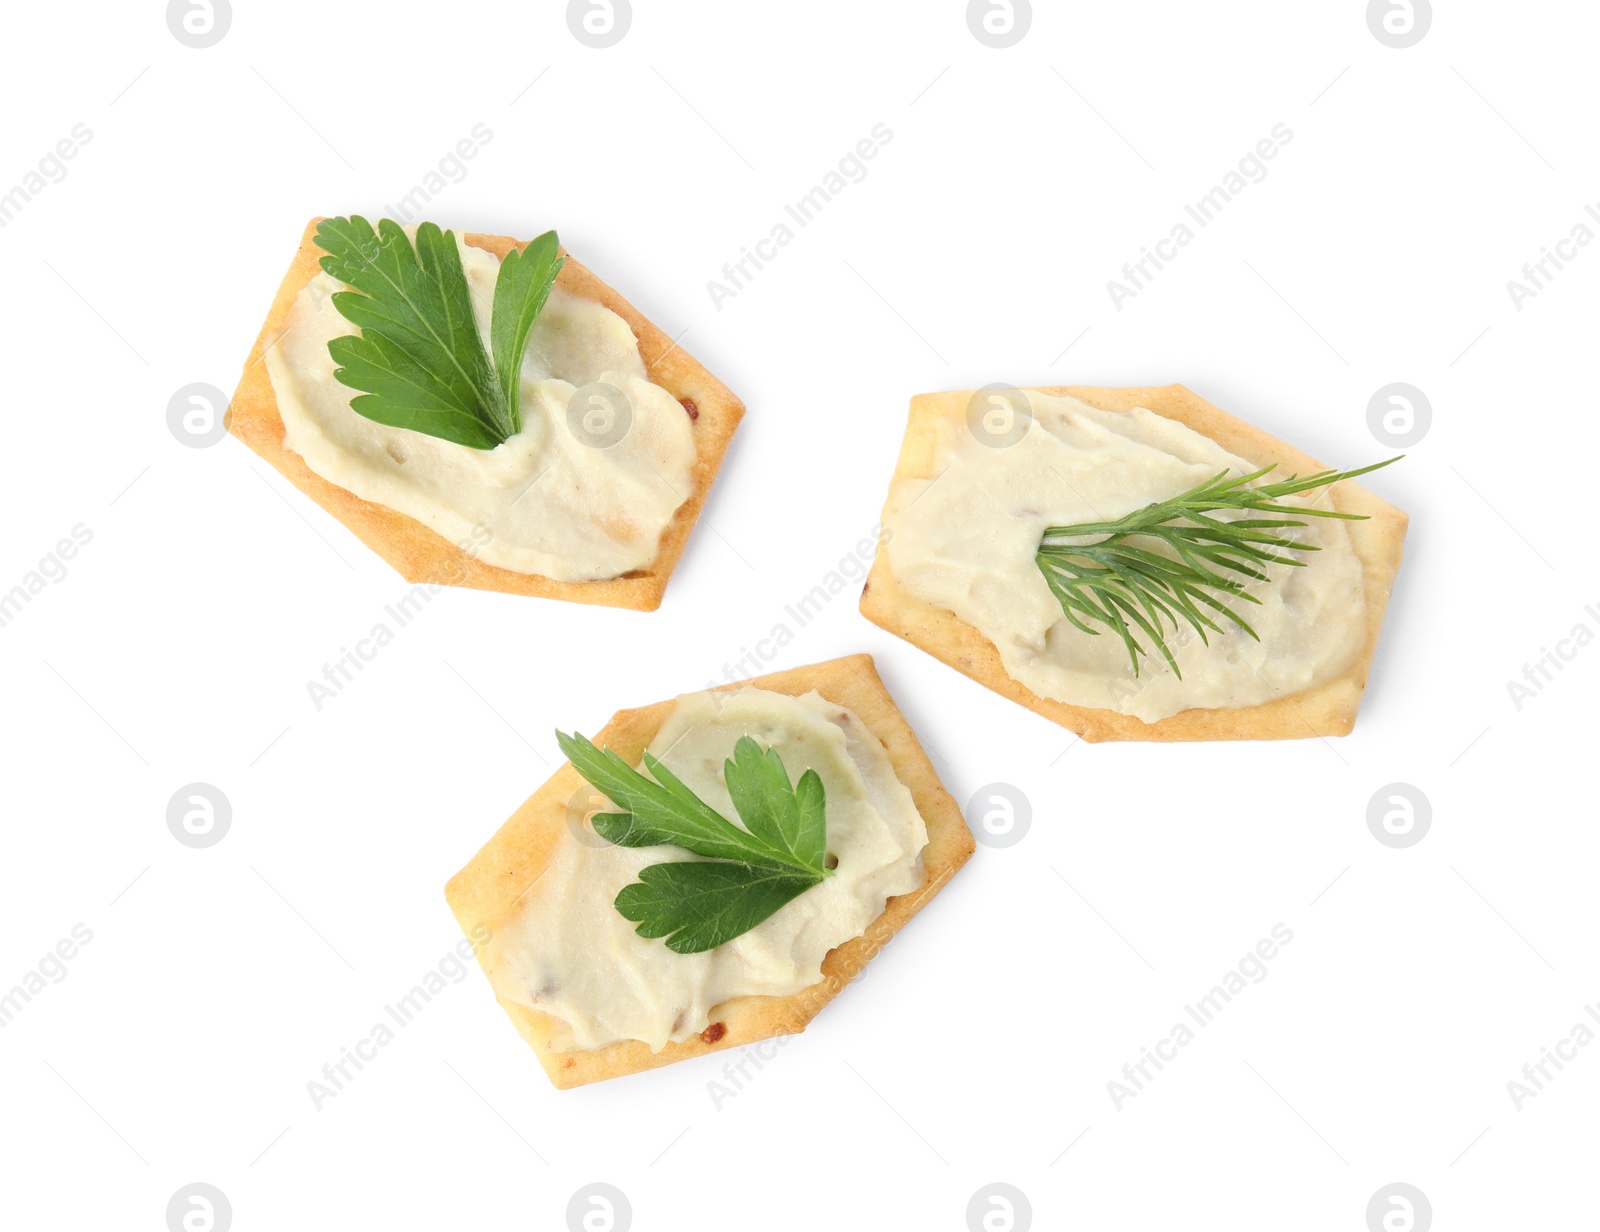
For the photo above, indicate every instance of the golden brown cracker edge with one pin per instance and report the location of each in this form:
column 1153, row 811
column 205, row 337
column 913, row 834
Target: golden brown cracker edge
column 420, row 554
column 1328, row 709
column 483, row 895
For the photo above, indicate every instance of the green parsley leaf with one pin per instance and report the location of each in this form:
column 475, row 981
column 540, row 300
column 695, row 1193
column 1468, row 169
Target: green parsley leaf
column 520, row 290
column 698, row 905
column 419, row 360
column 747, row 873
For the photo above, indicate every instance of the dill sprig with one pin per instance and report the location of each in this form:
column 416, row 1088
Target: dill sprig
column 1172, row 563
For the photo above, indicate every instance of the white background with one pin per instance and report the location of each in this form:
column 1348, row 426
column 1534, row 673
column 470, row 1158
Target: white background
column 979, row 1046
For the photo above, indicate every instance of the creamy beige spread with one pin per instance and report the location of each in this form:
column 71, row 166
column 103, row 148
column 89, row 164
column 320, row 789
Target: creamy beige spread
column 966, row 539
column 560, row 498
column 570, row 954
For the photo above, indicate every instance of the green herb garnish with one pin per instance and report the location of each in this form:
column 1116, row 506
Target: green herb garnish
column 419, row 360
column 1167, row 562
column 748, row 872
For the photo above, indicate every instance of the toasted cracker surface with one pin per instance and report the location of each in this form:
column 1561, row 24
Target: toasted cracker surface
column 1329, row 709
column 421, row 554
column 485, row 893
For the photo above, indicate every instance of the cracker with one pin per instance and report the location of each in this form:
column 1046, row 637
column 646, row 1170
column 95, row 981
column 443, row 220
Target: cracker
column 420, row 554
column 1329, row 709
column 485, row 892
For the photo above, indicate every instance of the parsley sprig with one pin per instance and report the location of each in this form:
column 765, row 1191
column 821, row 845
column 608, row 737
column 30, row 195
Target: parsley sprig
column 1166, row 564
column 748, row 872
column 419, row 360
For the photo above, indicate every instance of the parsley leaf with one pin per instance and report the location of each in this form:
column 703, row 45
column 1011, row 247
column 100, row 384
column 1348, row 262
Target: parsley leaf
column 419, row 360
column 520, row 290
column 748, row 872
column 698, row 905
